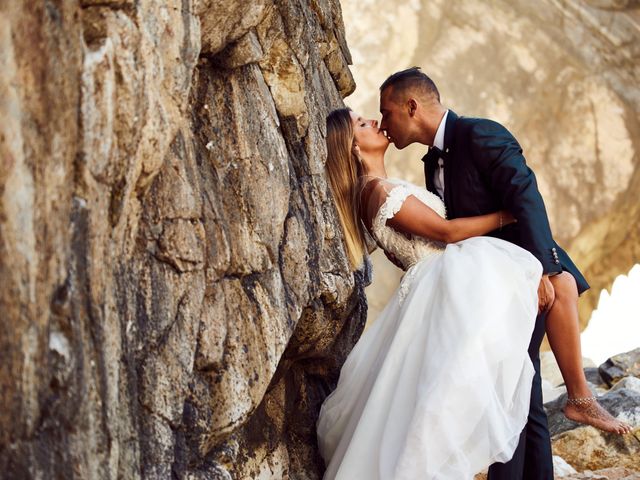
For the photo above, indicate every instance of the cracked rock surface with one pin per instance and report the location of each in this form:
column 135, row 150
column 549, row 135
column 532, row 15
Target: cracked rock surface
column 176, row 301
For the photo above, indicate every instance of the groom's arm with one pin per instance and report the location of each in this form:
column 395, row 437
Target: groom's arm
column 498, row 156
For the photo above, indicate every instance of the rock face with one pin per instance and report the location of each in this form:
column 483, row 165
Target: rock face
column 176, row 300
column 563, row 76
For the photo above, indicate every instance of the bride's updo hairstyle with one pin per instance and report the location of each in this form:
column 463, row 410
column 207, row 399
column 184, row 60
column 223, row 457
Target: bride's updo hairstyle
column 343, row 170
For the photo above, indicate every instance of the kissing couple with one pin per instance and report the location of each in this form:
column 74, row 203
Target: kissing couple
column 446, row 382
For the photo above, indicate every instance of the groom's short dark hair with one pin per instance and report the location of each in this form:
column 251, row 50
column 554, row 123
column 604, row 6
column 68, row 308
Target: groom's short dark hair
column 411, row 78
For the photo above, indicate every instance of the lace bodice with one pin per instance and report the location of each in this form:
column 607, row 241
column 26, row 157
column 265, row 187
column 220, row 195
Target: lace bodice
column 407, row 250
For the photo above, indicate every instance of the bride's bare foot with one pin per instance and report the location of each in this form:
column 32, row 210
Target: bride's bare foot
column 588, row 411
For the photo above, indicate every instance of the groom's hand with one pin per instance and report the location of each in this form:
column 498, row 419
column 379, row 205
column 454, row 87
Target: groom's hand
column 546, row 294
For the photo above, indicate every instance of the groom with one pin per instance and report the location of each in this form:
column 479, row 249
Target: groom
column 476, row 166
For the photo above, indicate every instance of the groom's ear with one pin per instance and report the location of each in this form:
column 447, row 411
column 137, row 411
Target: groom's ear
column 412, row 106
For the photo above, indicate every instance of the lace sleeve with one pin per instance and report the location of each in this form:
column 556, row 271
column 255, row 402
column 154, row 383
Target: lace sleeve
column 392, row 204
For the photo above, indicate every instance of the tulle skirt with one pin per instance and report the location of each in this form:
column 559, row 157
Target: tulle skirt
column 439, row 386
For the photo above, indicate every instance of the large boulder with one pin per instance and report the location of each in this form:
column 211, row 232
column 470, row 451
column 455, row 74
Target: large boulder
column 586, row 448
column 620, row 366
column 176, row 300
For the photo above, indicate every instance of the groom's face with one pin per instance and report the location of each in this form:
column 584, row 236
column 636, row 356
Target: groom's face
column 395, row 118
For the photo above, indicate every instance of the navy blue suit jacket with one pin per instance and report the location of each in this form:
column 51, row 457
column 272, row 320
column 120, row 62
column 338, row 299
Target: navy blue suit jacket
column 485, row 171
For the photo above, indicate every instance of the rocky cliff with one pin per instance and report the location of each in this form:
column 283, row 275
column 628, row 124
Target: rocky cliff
column 563, row 76
column 175, row 299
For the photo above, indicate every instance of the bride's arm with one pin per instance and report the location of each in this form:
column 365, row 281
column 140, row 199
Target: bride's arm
column 416, row 218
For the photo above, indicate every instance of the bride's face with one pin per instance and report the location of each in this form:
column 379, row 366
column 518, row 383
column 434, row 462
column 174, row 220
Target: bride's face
column 367, row 134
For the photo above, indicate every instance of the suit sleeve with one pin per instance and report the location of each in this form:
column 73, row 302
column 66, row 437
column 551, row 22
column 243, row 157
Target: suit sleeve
column 498, row 156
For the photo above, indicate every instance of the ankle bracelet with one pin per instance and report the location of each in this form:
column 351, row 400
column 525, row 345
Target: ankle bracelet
column 581, row 401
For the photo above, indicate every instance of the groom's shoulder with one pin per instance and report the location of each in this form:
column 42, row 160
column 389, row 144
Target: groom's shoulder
column 482, row 127
column 478, row 122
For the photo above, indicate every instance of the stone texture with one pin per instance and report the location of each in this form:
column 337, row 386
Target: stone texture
column 176, row 300
column 613, row 473
column 614, row 4
column 620, row 366
column 563, row 76
column 594, row 378
column 561, row 468
column 629, row 383
column 586, row 448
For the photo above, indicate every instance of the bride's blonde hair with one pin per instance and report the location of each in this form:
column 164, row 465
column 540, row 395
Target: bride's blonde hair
column 343, row 171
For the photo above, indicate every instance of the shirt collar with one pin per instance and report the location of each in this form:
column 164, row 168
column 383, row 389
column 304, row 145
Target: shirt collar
column 438, row 141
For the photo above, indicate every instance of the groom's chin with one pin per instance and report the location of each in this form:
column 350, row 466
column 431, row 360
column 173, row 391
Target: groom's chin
column 398, row 144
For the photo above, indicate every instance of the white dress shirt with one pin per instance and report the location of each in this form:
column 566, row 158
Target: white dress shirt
column 438, row 141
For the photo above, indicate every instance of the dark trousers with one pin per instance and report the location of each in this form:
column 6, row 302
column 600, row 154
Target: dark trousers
column 532, row 459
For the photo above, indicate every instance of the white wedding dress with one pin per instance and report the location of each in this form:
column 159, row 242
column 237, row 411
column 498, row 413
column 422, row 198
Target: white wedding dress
column 438, row 387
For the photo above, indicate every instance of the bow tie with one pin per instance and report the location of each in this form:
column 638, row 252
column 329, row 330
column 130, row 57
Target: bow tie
column 433, row 155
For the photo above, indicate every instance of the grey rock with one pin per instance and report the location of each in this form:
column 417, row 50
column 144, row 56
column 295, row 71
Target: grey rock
column 629, row 383
column 619, row 366
column 594, row 378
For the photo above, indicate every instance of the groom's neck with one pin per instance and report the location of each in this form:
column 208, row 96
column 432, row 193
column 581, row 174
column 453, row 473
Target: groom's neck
column 430, row 121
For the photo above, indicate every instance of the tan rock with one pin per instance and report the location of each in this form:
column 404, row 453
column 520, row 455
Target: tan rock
column 586, row 448
column 614, row 473
column 561, row 468
column 225, row 22
column 176, row 299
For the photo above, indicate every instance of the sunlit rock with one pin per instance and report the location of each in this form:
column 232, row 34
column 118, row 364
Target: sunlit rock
column 176, row 300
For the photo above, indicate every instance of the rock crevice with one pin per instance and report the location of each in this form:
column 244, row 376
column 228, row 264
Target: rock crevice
column 177, row 301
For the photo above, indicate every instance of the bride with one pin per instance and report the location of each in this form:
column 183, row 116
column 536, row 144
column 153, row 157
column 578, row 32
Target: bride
column 439, row 386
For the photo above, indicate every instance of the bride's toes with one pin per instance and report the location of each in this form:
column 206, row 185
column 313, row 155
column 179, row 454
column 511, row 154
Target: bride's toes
column 623, row 428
